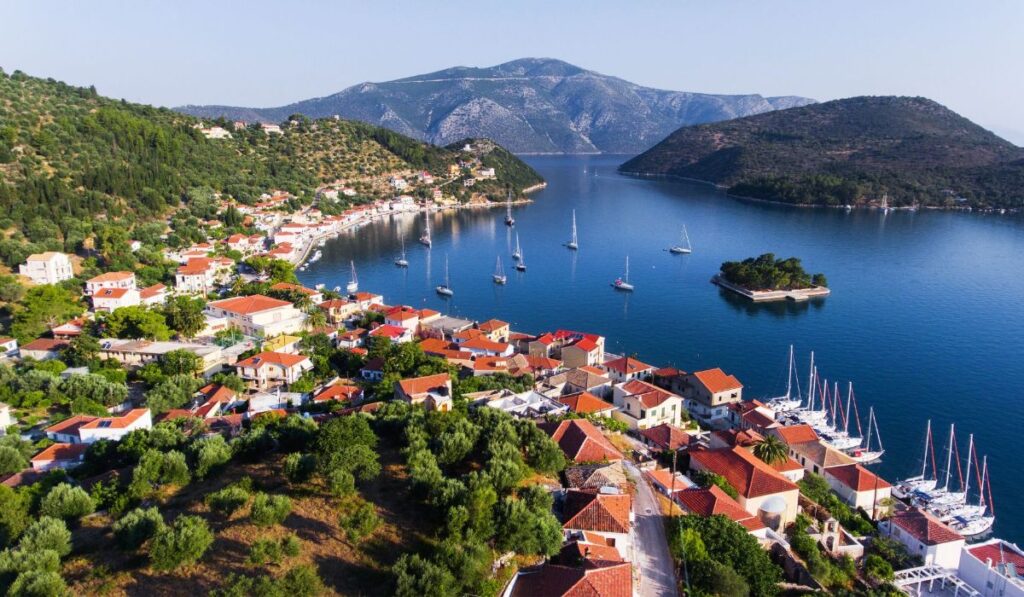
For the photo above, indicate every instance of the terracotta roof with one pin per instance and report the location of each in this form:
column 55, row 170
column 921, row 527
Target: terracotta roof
column 538, row 362
column 61, row 452
column 749, row 475
column 492, row 363
column 492, row 325
column 217, row 393
column 598, row 579
column 47, row 344
column 649, row 395
column 110, row 293
column 333, row 304
column 247, row 305
column 151, row 291
column 420, row 385
column 294, row 287
column 627, row 365
column 924, row 527
column 591, row 510
column 1000, row 553
column 857, row 478
column 578, row 550
column 796, row 434
column 482, row 343
column 435, row 345
column 339, row 392
column 389, row 331
column 666, row 436
column 117, row 422
column 711, row 501
column 111, row 277
column 195, row 266
column 716, row 380
column 401, row 314
column 586, row 345
column 585, row 403
column 70, row 425
column 581, row 441
column 820, row 454
column 668, row 372
column 281, row 359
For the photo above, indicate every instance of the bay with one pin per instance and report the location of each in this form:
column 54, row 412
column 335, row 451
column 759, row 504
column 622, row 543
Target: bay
column 926, row 315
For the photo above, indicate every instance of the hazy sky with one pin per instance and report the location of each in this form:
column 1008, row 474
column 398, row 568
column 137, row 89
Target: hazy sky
column 966, row 55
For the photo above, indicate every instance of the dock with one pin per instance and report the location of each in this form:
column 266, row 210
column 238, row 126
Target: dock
column 764, row 296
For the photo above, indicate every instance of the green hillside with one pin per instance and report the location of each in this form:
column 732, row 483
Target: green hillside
column 851, row 151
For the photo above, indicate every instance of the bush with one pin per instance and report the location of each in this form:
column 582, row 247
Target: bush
column 228, row 500
column 11, row 460
column 268, row 510
column 38, row 583
column 341, row 482
column 47, row 533
column 175, row 469
column 265, row 551
column 301, row 581
column 184, row 543
column 360, row 520
column 66, row 502
column 210, row 453
column 137, row 526
column 291, row 546
column 299, row 467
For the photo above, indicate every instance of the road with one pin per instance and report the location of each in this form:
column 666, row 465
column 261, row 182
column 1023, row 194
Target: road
column 650, row 547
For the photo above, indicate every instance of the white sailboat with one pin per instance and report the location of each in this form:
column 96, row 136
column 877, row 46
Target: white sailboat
column 942, row 496
column 904, row 488
column 445, row 289
column 787, row 402
column 885, row 204
column 623, row 282
column 866, row 455
column 683, row 248
column 573, row 242
column 521, row 263
column 972, row 520
column 499, row 274
column 517, row 254
column 425, row 239
column 509, row 220
column 402, row 261
column 353, row 283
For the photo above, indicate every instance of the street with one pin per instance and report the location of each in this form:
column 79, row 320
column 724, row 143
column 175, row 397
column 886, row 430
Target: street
column 650, row 547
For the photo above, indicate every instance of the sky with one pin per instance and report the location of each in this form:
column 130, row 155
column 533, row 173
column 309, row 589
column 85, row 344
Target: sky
column 968, row 56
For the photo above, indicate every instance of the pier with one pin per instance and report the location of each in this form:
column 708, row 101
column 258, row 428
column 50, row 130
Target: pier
column 763, row 296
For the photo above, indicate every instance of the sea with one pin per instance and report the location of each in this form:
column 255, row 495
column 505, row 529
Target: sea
column 926, row 315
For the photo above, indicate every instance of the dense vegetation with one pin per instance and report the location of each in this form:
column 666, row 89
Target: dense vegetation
column 768, row 273
column 720, row 557
column 848, row 152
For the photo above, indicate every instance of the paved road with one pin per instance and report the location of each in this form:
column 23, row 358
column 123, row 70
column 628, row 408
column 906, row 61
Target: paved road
column 650, row 547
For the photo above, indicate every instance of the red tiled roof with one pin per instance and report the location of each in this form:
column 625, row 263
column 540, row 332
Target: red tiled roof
column 111, row 277
column 716, row 380
column 110, row 293
column 585, row 403
column 666, row 436
column 857, row 478
column 70, row 425
column 195, row 266
column 420, row 385
column 390, row 331
column 247, row 305
column 598, row 579
column 339, row 392
column 435, row 345
column 1000, row 553
column 582, row 442
column 578, row 550
column 217, row 393
column 294, row 287
column 492, row 325
column 594, row 511
column 46, row 344
column 627, row 365
column 282, row 359
column 668, row 372
column 151, row 291
column 749, row 475
column 586, row 345
column 482, row 343
column 924, row 527
column 796, row 434
column 711, row 501
column 61, row 452
column 649, row 395
column 117, row 422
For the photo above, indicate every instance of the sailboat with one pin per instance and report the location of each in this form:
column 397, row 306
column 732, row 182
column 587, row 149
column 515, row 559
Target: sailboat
column 402, row 261
column 942, row 496
column 866, row 455
column 885, row 204
column 975, row 522
column 445, row 289
column 517, row 254
column 573, row 242
column 904, row 488
column 425, row 239
column 521, row 263
column 353, row 283
column 623, row 282
column 499, row 274
column 841, row 439
column 683, row 248
column 509, row 220
column 786, row 402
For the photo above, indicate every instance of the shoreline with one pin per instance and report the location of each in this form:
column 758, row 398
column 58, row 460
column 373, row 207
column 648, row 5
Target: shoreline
column 767, row 296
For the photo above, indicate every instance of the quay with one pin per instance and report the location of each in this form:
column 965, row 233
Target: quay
column 763, row 296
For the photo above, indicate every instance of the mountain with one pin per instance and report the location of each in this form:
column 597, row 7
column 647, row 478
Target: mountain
column 532, row 105
column 849, row 151
column 71, row 160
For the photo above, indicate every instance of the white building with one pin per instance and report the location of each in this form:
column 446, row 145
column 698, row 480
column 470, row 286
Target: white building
column 925, row 536
column 258, row 315
column 109, row 299
column 121, row 280
column 47, row 268
column 85, row 429
column 993, row 568
column 268, row 369
column 202, row 275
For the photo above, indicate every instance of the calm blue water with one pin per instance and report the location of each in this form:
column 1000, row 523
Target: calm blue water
column 926, row 316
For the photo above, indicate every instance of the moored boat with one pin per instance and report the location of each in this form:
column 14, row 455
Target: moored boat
column 622, row 283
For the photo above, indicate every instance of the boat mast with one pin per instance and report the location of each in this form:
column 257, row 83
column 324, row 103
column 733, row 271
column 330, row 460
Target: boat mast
column 810, row 385
column 877, row 432
column 789, row 374
column 849, row 399
column 927, row 440
column 574, row 227
column 970, row 449
column 949, row 457
column 981, row 484
column 686, row 236
column 626, row 277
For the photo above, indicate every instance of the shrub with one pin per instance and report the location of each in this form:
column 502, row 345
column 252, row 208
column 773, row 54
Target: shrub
column 291, row 546
column 38, row 583
column 175, row 469
column 210, row 453
column 360, row 520
column 268, row 510
column 341, row 482
column 299, row 467
column 66, row 502
column 137, row 526
column 265, row 551
column 301, row 581
column 47, row 533
column 228, row 500
column 183, row 543
column 11, row 460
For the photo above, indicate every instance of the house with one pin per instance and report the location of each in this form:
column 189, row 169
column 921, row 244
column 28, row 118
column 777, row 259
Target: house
column 47, row 268
column 581, row 441
column 642, row 405
column 752, row 415
column 373, row 370
column 339, row 310
column 258, row 315
column 595, row 579
column 153, row 295
column 115, row 428
column 859, row 487
column 924, row 536
column 625, row 369
column 495, row 330
column 596, row 476
column 666, row 437
column 270, row 369
column 481, row 346
column 271, row 129
column 202, row 275
column 993, row 567
column 709, row 394
column 396, row 334
column 339, row 392
column 585, row 403
column 403, row 317
column 586, row 379
column 713, row 500
column 588, row 350
column 109, row 299
column 122, row 280
column 283, row 343
column 136, row 353
column 6, row 420
column 65, row 456
column 816, row 457
column 763, row 491
column 66, row 431
column 351, row 339
column 606, row 512
column 432, row 391
column 70, row 329
column 8, row 347
column 315, row 296
column 671, row 379
column 529, row 404
column 664, row 482
column 43, row 349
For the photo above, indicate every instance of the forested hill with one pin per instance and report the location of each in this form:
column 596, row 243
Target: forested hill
column 850, row 151
column 70, row 157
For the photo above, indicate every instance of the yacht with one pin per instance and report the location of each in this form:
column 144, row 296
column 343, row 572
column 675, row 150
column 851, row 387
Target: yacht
column 623, row 282
column 425, row 239
column 509, row 220
column 353, row 283
column 521, row 263
column 787, row 402
column 402, row 261
column 905, row 488
column 574, row 241
column 866, row 455
column 499, row 274
column 445, row 289
column 683, row 248
column 517, row 254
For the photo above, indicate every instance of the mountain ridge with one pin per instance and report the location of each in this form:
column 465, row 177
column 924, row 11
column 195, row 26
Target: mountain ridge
column 529, row 105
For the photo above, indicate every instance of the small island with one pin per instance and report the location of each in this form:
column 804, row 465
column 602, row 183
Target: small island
column 766, row 278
